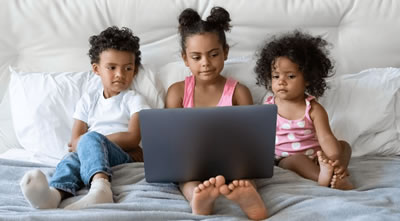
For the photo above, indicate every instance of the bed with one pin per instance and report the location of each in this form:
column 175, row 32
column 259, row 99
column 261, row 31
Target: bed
column 44, row 69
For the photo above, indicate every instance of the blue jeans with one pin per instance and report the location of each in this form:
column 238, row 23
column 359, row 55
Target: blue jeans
column 94, row 154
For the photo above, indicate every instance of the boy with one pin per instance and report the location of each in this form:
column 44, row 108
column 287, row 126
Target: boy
column 105, row 131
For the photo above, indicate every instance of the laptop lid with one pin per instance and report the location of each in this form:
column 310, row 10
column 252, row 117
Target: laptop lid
column 187, row 144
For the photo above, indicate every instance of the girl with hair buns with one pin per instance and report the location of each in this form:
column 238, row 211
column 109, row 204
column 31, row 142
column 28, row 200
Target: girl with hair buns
column 204, row 50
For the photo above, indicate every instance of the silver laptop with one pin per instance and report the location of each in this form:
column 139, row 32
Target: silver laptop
column 187, row 144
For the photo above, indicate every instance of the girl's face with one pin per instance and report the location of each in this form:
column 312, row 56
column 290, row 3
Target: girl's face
column 204, row 55
column 116, row 70
column 287, row 81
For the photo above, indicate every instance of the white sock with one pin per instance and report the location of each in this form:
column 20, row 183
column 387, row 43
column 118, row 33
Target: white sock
column 100, row 192
column 36, row 190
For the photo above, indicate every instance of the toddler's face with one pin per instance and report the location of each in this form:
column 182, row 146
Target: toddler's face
column 287, row 80
column 116, row 70
column 204, row 55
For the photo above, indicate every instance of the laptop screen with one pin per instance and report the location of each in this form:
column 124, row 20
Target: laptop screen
column 187, row 144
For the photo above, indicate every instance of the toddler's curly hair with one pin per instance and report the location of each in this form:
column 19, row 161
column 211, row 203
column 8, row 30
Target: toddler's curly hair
column 308, row 52
column 114, row 38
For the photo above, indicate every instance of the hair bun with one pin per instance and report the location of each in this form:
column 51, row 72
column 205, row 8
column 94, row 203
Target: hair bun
column 188, row 17
column 220, row 17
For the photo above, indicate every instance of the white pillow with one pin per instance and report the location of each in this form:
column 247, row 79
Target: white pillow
column 240, row 69
column 362, row 110
column 42, row 105
column 8, row 139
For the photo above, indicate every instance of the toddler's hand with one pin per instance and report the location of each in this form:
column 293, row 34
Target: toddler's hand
column 339, row 169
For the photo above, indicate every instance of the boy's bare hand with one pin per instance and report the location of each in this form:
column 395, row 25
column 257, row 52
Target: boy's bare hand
column 137, row 154
column 70, row 147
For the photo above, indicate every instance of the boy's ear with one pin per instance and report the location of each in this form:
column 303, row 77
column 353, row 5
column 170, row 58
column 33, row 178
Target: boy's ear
column 95, row 68
column 137, row 67
column 184, row 57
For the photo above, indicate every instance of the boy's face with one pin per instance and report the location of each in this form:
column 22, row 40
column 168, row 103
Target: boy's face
column 116, row 70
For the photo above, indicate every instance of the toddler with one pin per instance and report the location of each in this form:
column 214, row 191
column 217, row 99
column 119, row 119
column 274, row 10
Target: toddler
column 294, row 66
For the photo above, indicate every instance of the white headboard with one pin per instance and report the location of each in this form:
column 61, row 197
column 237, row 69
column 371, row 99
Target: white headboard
column 52, row 35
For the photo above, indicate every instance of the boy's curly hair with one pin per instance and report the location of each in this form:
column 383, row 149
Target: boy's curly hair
column 114, row 38
column 308, row 52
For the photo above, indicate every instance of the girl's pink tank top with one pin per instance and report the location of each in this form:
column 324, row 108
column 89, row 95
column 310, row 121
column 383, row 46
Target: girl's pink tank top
column 226, row 98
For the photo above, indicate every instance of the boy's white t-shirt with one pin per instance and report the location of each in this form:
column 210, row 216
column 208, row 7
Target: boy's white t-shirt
column 108, row 116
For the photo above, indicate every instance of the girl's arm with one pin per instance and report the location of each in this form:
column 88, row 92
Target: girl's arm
column 242, row 96
column 174, row 98
column 328, row 142
column 129, row 141
column 78, row 129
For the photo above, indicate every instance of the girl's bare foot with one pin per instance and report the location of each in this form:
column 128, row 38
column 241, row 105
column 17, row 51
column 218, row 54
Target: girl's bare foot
column 205, row 194
column 341, row 183
column 244, row 193
column 326, row 170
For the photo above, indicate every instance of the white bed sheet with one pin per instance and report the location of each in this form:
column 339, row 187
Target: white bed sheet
column 286, row 195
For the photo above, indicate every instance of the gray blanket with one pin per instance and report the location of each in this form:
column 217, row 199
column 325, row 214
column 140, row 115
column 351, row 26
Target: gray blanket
column 286, row 195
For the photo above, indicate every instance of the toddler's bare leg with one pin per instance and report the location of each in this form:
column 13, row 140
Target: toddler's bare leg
column 341, row 183
column 301, row 165
column 344, row 157
column 202, row 196
column 244, row 193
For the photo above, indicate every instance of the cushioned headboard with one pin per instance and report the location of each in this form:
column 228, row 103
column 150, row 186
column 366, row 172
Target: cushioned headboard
column 52, row 35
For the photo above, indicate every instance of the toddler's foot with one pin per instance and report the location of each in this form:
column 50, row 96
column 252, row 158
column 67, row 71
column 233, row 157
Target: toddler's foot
column 326, row 169
column 341, row 183
column 100, row 192
column 244, row 193
column 36, row 190
column 205, row 195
